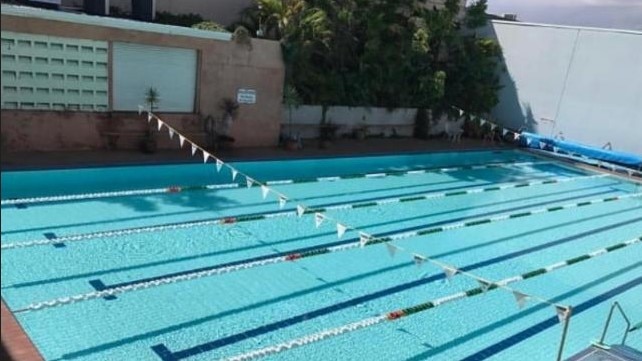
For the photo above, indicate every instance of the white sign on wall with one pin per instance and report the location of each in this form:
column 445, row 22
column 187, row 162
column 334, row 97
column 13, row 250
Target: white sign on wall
column 246, row 96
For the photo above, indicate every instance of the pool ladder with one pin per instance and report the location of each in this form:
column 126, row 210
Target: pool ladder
column 629, row 329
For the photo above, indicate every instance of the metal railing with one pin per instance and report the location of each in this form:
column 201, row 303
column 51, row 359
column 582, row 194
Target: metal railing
column 617, row 306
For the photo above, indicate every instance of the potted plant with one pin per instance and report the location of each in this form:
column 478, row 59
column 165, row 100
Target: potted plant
column 291, row 100
column 149, row 144
column 361, row 131
column 230, row 108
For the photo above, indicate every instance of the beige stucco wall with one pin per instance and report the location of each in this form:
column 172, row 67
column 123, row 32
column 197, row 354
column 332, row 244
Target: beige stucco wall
column 224, row 68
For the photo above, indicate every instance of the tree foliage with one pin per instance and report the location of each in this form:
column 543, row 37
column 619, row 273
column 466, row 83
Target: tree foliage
column 390, row 53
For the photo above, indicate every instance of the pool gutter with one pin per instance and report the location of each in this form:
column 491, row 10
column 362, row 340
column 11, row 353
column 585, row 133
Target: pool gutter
column 15, row 342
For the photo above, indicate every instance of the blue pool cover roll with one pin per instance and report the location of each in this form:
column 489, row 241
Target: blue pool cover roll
column 622, row 158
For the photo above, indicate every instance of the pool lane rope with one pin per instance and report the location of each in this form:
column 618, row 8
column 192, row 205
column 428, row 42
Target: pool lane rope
column 364, row 241
column 180, row 189
column 516, row 135
column 319, row 218
column 562, row 311
column 299, row 211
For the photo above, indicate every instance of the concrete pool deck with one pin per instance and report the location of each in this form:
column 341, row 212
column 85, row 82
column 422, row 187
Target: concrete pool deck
column 16, row 345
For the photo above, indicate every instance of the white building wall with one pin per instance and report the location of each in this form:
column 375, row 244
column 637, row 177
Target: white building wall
column 585, row 83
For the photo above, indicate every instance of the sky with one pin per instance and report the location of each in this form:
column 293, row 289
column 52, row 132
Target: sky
column 618, row 14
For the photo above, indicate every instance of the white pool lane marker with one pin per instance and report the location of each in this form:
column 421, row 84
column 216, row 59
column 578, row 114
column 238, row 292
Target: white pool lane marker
column 485, row 286
column 277, row 259
column 278, row 214
column 178, row 189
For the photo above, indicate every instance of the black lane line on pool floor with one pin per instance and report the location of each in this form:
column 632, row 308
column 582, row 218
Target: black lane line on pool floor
column 347, row 241
column 549, row 322
column 97, row 273
column 167, row 355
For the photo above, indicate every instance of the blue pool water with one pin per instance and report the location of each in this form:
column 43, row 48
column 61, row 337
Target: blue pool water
column 225, row 315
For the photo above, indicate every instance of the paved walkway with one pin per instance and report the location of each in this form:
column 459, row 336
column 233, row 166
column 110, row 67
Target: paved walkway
column 343, row 147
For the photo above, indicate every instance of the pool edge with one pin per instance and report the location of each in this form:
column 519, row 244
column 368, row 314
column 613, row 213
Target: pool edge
column 15, row 342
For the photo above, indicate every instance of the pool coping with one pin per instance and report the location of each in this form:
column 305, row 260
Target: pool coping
column 15, row 342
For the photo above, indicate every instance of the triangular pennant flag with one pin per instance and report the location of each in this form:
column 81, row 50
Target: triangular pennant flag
column 249, row 182
column 419, row 260
column 520, row 298
column 181, row 140
column 556, row 149
column 504, row 132
column 193, row 149
column 171, row 133
column 482, row 122
column 542, row 145
column 461, row 112
column 264, row 191
column 318, row 219
column 160, row 124
column 364, row 238
column 234, row 173
column 562, row 313
column 341, row 230
column 528, row 141
column 300, row 210
column 206, row 156
column 450, row 271
column 149, row 117
column 282, row 201
column 483, row 285
column 219, row 165
column 516, row 136
column 392, row 249
column 140, row 109
column 493, row 126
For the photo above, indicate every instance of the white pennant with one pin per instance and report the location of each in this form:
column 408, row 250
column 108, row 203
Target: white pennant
column 504, row 132
column 234, row 173
column 528, row 141
column 493, row 126
column 193, row 149
column 249, row 182
column 516, row 136
column 300, row 210
column 264, row 191
column 149, row 117
column 542, row 145
column 282, row 201
column 461, row 112
column 206, row 156
column 562, row 313
column 419, row 260
column 341, row 230
column 364, row 238
column 181, row 140
column 140, row 109
column 482, row 122
column 450, row 271
column 171, row 133
column 160, row 124
column 520, row 298
column 219, row 165
column 484, row 285
column 556, row 149
column 392, row 249
column 318, row 219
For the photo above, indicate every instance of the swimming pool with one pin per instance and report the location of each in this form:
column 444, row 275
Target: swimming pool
column 495, row 214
